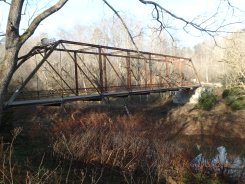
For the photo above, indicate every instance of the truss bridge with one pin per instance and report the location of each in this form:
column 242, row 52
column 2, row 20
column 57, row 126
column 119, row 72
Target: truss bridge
column 64, row 71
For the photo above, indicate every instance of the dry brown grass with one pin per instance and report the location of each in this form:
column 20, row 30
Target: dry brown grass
column 129, row 143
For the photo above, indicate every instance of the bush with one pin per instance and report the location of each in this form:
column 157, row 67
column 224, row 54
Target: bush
column 207, row 100
column 235, row 98
column 226, row 93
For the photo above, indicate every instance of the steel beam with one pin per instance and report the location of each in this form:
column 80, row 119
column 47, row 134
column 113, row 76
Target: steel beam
column 150, row 67
column 128, row 71
column 76, row 74
column 105, row 73
column 101, row 71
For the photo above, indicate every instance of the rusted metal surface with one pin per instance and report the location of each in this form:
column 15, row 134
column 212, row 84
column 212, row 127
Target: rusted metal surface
column 92, row 97
column 128, row 71
column 105, row 73
column 101, row 72
column 150, row 66
column 93, row 72
column 76, row 73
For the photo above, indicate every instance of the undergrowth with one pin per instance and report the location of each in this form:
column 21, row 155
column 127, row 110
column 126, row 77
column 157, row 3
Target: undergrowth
column 235, row 98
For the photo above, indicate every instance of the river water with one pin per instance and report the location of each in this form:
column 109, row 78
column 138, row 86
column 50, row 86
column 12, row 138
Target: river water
column 222, row 163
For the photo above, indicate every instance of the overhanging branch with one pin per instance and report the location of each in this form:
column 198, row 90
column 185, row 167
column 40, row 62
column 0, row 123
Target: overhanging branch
column 5, row 1
column 34, row 24
column 160, row 10
column 123, row 23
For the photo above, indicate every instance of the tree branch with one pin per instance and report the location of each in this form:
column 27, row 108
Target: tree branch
column 126, row 28
column 5, row 1
column 211, row 32
column 34, row 24
column 123, row 23
column 233, row 7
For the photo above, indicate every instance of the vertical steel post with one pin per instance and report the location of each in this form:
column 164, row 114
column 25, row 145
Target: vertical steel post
column 176, row 71
column 128, row 71
column 150, row 66
column 195, row 72
column 105, row 73
column 167, row 70
column 181, row 74
column 76, row 75
column 101, row 70
column 145, row 73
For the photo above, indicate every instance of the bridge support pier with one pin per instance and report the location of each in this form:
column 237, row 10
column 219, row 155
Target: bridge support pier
column 183, row 96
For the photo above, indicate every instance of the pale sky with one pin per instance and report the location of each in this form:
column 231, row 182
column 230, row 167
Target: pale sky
column 87, row 12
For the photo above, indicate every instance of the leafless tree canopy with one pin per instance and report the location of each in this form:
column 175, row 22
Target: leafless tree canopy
column 212, row 25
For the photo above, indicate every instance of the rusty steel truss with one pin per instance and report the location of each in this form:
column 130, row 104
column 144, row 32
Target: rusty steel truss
column 67, row 71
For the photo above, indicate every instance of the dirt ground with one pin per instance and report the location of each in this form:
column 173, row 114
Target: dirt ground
column 182, row 120
column 221, row 121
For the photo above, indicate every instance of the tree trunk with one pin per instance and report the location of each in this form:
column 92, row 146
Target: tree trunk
column 7, row 68
column 14, row 41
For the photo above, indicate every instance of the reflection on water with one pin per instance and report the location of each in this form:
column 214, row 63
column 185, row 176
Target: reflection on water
column 222, row 163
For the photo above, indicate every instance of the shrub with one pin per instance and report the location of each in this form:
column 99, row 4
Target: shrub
column 226, row 93
column 207, row 100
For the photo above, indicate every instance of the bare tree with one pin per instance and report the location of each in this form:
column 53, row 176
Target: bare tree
column 14, row 41
column 206, row 56
column 234, row 62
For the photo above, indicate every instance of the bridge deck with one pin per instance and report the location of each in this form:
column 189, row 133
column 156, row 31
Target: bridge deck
column 94, row 97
